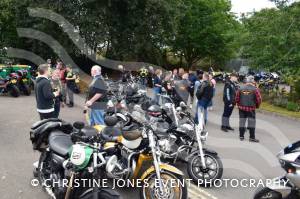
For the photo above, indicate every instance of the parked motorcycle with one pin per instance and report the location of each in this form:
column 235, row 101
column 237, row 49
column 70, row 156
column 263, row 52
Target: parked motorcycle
column 9, row 85
column 287, row 186
column 131, row 149
column 24, row 83
column 184, row 141
column 62, row 160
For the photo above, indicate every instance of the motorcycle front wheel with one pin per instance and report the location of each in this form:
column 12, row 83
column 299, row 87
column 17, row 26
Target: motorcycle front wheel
column 205, row 176
column 266, row 193
column 14, row 91
column 173, row 187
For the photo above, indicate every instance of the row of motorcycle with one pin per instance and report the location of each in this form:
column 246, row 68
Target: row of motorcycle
column 141, row 141
column 15, row 82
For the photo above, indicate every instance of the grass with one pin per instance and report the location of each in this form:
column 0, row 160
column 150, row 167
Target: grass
column 279, row 110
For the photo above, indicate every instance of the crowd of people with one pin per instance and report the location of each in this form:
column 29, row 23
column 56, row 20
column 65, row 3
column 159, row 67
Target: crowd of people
column 55, row 88
column 55, row 85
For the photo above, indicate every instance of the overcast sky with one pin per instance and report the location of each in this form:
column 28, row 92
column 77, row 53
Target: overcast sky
column 242, row 6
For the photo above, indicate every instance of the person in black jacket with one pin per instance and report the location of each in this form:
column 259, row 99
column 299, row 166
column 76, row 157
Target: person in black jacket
column 44, row 95
column 204, row 94
column 229, row 95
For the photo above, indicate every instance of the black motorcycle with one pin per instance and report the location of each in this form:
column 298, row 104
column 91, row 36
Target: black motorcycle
column 24, row 83
column 184, row 141
column 9, row 85
column 62, row 160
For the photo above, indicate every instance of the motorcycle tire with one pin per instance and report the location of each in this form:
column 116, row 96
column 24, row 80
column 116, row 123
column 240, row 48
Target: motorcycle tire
column 26, row 90
column 265, row 192
column 103, row 193
column 205, row 177
column 14, row 91
column 44, row 163
column 150, row 191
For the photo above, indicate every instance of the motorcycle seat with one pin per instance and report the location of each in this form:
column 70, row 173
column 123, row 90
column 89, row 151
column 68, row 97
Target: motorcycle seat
column 110, row 133
column 60, row 142
column 89, row 131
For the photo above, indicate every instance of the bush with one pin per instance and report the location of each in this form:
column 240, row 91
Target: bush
column 292, row 106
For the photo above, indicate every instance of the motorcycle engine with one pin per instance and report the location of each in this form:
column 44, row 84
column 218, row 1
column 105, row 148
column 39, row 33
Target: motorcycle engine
column 168, row 145
column 117, row 167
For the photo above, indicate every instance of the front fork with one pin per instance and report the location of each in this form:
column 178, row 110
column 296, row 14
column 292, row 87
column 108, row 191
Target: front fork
column 156, row 160
column 200, row 147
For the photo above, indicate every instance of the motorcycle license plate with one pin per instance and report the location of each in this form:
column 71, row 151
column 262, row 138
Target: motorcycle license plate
column 25, row 80
column 13, row 81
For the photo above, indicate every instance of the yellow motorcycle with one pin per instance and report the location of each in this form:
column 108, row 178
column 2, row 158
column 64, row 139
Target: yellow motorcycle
column 130, row 152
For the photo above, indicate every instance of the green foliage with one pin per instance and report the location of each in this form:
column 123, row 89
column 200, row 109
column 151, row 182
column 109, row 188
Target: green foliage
column 292, row 106
column 205, row 30
column 129, row 30
column 272, row 40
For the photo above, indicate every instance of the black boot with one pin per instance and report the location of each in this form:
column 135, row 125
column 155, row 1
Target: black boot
column 223, row 128
column 230, row 128
column 71, row 104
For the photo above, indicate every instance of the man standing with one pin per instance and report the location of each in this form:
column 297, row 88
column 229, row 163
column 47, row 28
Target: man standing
column 44, row 95
column 97, row 97
column 204, row 95
column 248, row 98
column 70, row 82
column 229, row 95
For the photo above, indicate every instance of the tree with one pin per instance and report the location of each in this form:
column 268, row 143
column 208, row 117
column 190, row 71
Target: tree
column 204, row 31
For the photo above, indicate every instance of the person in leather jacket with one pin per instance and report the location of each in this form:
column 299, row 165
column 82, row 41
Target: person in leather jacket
column 229, row 94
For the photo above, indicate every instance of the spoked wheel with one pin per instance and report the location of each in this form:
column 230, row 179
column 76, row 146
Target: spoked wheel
column 172, row 188
column 205, row 176
column 266, row 193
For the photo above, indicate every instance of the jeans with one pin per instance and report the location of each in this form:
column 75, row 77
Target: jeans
column 249, row 116
column 70, row 95
column 202, row 106
column 97, row 117
column 226, row 115
column 56, row 108
column 156, row 91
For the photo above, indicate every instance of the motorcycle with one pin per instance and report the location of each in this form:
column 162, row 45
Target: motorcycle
column 288, row 186
column 184, row 142
column 9, row 85
column 131, row 148
column 61, row 160
column 24, row 83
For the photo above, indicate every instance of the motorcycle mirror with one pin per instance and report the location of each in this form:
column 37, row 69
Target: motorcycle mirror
column 182, row 105
column 78, row 125
column 178, row 109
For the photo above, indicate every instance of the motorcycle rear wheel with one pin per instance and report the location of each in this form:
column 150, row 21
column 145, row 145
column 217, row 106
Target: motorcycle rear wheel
column 103, row 193
column 170, row 192
column 266, row 193
column 201, row 176
column 26, row 90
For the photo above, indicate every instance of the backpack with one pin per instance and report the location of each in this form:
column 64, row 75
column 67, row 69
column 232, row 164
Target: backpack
column 205, row 91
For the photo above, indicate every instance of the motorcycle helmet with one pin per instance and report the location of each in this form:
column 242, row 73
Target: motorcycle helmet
column 154, row 110
column 131, row 131
column 110, row 120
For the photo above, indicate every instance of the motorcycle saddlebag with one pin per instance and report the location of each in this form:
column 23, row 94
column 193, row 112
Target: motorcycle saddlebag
column 41, row 130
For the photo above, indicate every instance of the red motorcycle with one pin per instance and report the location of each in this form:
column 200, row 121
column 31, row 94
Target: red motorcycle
column 9, row 85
